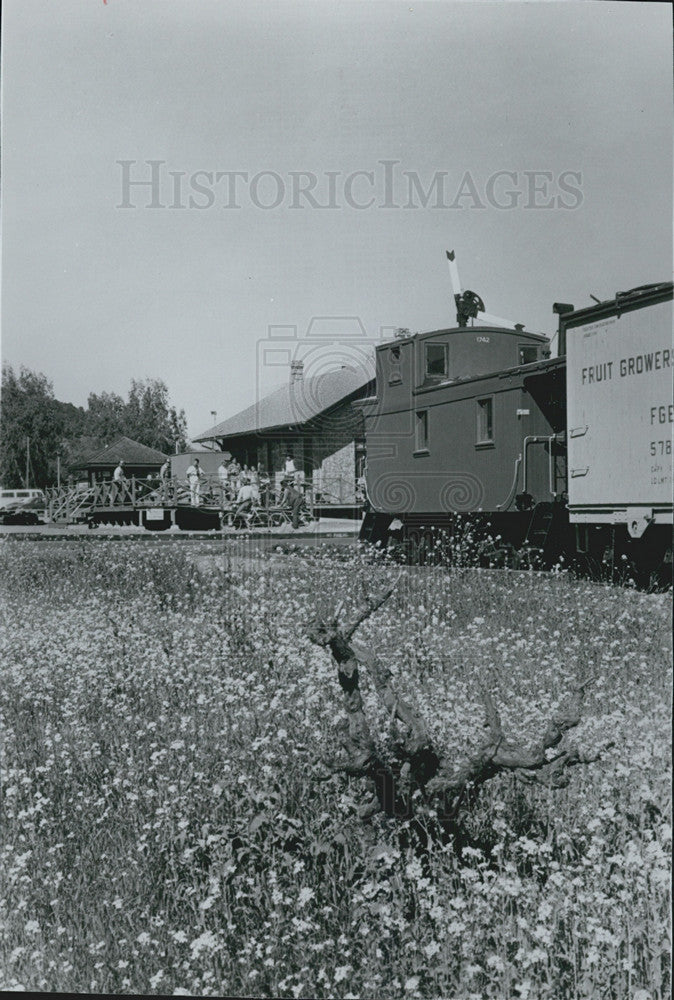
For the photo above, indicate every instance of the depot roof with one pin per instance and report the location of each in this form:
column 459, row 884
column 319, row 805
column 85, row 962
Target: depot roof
column 295, row 403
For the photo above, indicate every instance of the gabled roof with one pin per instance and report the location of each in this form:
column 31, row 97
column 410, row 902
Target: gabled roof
column 130, row 452
column 295, row 403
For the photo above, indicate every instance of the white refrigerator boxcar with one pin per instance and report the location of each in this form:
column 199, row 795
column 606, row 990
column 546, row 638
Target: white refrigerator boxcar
column 620, row 410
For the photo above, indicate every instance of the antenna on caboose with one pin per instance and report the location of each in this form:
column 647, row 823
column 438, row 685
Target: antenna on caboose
column 469, row 304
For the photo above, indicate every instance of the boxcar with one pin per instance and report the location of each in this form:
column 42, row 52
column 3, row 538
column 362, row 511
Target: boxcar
column 620, row 413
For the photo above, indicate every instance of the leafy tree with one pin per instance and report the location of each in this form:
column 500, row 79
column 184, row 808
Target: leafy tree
column 28, row 412
column 150, row 419
column 105, row 416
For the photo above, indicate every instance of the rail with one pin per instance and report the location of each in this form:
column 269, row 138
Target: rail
column 75, row 503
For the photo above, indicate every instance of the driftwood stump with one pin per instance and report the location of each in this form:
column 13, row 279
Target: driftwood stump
column 415, row 766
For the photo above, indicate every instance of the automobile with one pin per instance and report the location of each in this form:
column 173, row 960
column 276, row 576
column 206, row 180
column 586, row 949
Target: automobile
column 29, row 511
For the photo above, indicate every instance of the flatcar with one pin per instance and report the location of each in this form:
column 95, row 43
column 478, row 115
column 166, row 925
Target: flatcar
column 568, row 457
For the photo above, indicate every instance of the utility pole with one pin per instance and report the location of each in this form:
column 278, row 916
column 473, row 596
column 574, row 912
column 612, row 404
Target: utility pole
column 58, row 469
column 214, row 414
column 27, row 463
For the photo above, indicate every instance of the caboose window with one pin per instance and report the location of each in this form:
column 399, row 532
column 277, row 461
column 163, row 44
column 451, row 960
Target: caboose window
column 485, row 420
column 395, row 374
column 421, row 437
column 436, row 360
column 528, row 354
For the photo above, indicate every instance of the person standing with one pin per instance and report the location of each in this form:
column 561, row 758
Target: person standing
column 289, row 467
column 194, row 476
column 292, row 498
column 233, row 470
column 223, row 479
column 165, row 478
column 118, row 483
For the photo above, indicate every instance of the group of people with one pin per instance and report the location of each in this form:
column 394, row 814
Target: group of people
column 240, row 487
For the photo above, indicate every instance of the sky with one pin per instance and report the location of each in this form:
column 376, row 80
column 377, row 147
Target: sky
column 308, row 165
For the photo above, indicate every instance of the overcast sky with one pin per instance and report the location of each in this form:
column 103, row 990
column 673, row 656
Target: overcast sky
column 539, row 135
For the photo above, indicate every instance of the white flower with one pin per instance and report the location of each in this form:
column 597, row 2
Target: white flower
column 204, row 942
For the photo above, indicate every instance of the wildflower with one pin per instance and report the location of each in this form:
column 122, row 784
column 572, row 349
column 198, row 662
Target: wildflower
column 205, row 942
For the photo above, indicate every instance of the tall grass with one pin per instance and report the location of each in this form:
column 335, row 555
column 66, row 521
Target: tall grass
column 168, row 825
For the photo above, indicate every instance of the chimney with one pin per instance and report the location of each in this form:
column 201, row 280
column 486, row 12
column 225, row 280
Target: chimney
column 296, row 371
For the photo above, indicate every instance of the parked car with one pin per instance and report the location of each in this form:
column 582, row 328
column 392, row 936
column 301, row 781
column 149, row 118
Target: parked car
column 29, row 511
column 10, row 498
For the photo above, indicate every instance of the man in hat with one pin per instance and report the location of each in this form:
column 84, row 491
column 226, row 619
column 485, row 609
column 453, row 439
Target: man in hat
column 292, row 497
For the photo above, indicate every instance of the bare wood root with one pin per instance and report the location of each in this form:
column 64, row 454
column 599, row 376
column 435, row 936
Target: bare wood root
column 415, row 766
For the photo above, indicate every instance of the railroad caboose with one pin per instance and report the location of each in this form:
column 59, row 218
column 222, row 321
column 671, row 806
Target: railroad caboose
column 455, row 428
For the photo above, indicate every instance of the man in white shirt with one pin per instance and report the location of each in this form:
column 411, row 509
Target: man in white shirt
column 223, row 478
column 118, row 483
column 165, row 478
column 248, row 495
column 194, row 476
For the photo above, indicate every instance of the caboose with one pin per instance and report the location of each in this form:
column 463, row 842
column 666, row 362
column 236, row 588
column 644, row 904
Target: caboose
column 456, row 428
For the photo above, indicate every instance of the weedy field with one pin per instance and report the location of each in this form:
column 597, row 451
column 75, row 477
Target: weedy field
column 169, row 826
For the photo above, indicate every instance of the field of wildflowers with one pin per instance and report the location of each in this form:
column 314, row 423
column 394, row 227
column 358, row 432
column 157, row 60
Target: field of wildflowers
column 168, row 826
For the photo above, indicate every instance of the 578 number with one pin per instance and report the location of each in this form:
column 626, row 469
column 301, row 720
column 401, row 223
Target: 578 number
column 661, row 447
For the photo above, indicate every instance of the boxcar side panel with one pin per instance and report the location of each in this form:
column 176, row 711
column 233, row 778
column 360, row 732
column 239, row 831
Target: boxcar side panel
column 619, row 386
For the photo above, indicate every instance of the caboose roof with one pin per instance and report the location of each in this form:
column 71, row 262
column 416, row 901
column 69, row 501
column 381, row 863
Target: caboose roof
column 539, row 337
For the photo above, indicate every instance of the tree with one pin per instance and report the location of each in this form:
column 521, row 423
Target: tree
column 29, row 414
column 105, row 416
column 146, row 416
column 150, row 419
